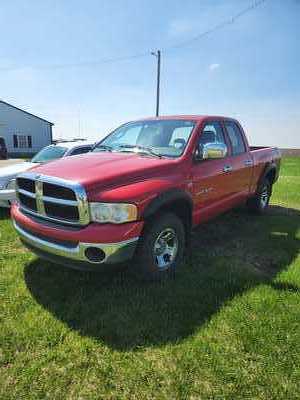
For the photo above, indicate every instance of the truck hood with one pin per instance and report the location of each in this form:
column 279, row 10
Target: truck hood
column 105, row 169
column 12, row 171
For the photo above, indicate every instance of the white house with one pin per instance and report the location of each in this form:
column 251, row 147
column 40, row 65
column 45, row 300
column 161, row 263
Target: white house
column 23, row 132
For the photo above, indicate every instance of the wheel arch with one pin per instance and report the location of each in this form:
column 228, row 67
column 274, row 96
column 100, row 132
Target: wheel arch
column 176, row 201
column 270, row 172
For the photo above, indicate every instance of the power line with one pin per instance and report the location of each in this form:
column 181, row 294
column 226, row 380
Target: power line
column 166, row 49
column 221, row 25
column 80, row 64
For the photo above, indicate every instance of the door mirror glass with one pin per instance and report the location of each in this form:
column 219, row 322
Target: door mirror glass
column 211, row 151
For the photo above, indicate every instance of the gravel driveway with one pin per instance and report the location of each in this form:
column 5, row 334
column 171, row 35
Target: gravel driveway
column 5, row 163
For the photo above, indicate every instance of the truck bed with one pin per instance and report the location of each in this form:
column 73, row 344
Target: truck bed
column 254, row 148
column 262, row 157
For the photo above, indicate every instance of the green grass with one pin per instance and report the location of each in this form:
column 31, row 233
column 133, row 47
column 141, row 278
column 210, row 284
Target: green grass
column 228, row 327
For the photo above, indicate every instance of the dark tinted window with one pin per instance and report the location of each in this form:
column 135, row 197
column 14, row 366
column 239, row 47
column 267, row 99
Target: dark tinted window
column 80, row 150
column 29, row 140
column 236, row 138
column 15, row 141
column 212, row 133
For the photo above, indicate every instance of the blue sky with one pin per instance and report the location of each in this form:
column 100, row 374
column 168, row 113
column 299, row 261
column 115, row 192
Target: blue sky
column 249, row 69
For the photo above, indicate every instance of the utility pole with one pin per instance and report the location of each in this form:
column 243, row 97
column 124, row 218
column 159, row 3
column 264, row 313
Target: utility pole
column 157, row 55
column 79, row 123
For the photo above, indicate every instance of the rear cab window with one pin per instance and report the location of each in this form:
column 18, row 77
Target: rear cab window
column 235, row 137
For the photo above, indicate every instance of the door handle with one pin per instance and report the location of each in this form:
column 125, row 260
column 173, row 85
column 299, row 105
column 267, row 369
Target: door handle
column 248, row 162
column 227, row 168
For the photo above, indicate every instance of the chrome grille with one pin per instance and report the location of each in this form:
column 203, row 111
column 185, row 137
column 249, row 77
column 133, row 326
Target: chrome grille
column 53, row 198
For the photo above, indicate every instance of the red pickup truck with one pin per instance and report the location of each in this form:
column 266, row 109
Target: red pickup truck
column 141, row 191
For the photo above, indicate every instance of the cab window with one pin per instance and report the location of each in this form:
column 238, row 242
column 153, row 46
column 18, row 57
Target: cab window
column 212, row 133
column 81, row 150
column 235, row 137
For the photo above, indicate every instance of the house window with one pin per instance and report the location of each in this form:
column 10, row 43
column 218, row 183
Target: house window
column 22, row 141
column 15, row 141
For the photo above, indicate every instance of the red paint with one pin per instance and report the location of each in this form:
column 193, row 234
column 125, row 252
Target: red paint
column 134, row 178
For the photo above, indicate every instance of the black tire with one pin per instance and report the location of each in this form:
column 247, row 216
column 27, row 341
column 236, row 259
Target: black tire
column 150, row 250
column 260, row 202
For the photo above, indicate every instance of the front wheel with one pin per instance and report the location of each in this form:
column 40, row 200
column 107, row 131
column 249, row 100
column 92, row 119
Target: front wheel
column 161, row 248
column 260, row 202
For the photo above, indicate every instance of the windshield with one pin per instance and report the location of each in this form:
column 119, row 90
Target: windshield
column 49, row 153
column 157, row 138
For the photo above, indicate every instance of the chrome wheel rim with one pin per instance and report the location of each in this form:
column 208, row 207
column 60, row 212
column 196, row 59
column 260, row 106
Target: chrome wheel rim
column 165, row 248
column 264, row 197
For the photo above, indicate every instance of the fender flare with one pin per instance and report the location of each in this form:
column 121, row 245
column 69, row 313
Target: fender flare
column 269, row 167
column 167, row 198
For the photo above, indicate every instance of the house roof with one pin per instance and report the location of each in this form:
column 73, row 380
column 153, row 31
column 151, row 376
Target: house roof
column 26, row 112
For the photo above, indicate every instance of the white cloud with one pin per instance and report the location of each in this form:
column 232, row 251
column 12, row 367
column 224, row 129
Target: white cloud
column 212, row 67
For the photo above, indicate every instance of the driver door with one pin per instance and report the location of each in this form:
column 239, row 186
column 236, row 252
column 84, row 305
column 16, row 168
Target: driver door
column 211, row 177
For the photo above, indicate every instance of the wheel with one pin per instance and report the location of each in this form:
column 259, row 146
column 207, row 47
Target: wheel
column 260, row 202
column 161, row 248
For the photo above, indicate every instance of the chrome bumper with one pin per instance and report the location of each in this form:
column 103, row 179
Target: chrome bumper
column 113, row 252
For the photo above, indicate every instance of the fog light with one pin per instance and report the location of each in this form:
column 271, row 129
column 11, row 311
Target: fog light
column 94, row 254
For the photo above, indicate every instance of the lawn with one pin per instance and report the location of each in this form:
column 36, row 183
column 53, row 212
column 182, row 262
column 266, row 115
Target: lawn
column 228, row 326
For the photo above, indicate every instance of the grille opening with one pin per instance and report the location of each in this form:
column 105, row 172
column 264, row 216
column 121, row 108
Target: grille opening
column 26, row 184
column 28, row 202
column 62, row 211
column 58, row 192
column 58, row 223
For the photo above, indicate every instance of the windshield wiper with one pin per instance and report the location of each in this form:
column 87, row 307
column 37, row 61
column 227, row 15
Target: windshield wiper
column 144, row 149
column 105, row 147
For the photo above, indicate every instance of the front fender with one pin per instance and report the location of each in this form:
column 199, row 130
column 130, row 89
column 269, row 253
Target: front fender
column 152, row 192
column 166, row 198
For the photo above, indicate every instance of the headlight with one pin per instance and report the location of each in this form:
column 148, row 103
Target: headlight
column 11, row 185
column 116, row 213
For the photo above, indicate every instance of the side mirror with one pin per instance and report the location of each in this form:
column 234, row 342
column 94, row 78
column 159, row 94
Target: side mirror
column 211, row 151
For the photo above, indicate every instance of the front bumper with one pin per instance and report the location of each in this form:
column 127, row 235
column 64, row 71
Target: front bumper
column 111, row 253
column 7, row 196
column 72, row 247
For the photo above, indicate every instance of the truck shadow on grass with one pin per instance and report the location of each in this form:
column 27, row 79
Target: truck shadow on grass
column 4, row 213
column 227, row 257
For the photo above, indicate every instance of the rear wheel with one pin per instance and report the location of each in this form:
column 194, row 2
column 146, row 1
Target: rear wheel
column 260, row 202
column 161, row 248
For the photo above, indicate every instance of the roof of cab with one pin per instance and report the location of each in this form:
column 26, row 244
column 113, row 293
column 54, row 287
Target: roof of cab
column 196, row 118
